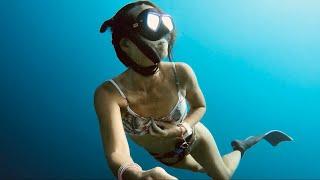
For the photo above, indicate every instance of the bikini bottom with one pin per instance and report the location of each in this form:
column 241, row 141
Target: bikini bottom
column 182, row 149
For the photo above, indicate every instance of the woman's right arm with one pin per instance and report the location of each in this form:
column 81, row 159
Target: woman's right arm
column 114, row 140
column 115, row 144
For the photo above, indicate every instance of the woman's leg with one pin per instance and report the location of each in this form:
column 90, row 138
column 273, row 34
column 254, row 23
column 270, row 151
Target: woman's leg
column 206, row 153
column 189, row 163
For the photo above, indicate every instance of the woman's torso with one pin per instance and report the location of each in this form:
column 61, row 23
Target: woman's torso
column 157, row 104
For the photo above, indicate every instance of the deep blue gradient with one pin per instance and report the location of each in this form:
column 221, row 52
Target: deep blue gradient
column 257, row 63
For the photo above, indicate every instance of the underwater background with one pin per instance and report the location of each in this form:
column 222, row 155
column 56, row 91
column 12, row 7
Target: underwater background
column 257, row 63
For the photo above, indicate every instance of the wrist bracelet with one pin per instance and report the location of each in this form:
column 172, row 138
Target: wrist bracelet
column 124, row 167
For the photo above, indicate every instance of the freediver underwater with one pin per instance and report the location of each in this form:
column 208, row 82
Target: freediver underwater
column 148, row 102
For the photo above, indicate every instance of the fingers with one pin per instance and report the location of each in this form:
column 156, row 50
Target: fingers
column 155, row 133
column 151, row 132
column 157, row 128
column 166, row 125
column 170, row 130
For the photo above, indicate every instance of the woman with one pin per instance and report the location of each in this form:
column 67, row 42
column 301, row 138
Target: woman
column 149, row 100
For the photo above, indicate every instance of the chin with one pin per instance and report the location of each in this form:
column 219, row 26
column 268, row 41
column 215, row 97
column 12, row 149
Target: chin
column 162, row 58
column 163, row 55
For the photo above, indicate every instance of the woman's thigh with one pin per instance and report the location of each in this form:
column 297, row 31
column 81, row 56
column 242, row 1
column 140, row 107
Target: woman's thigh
column 189, row 163
column 206, row 153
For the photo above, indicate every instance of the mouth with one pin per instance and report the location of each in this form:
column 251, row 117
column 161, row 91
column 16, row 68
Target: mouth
column 161, row 51
column 161, row 48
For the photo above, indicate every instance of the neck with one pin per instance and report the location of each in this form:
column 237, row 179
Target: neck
column 141, row 82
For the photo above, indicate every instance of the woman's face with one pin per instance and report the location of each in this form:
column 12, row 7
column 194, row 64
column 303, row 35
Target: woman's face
column 161, row 45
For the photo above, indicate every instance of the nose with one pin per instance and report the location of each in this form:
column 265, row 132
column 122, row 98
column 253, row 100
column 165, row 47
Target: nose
column 162, row 42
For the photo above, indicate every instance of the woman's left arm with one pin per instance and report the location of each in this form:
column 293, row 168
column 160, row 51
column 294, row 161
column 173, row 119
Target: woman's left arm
column 194, row 94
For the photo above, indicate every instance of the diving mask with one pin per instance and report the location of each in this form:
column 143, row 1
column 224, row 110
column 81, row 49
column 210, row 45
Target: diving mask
column 153, row 25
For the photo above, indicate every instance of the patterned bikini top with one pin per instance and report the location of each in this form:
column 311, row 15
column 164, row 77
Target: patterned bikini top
column 134, row 124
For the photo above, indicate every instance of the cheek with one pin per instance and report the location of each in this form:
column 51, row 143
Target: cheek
column 167, row 47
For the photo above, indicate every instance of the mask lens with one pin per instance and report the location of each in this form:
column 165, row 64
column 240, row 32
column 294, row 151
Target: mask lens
column 153, row 21
column 167, row 22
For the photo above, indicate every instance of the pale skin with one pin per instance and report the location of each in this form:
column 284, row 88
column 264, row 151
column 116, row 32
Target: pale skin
column 146, row 95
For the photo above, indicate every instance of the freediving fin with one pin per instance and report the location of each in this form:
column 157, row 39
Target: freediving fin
column 274, row 137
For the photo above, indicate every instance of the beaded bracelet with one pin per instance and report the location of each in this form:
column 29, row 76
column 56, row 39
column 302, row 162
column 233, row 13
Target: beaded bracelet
column 124, row 167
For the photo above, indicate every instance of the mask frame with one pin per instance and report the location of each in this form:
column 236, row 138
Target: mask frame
column 153, row 25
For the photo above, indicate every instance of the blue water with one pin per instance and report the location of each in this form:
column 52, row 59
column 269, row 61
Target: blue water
column 257, row 63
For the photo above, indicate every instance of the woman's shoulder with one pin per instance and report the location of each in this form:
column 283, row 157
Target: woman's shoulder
column 104, row 91
column 184, row 68
column 107, row 91
column 108, row 87
column 184, row 71
column 180, row 66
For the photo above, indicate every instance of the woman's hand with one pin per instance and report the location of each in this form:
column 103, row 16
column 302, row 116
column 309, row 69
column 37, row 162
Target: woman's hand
column 151, row 174
column 165, row 129
column 155, row 174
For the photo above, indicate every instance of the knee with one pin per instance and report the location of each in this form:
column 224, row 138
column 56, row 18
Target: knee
column 201, row 170
column 198, row 168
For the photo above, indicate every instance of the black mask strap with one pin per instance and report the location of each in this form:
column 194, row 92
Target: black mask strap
column 127, row 61
column 147, row 50
column 145, row 71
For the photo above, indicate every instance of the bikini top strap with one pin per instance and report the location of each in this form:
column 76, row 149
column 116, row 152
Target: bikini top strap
column 118, row 88
column 176, row 76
